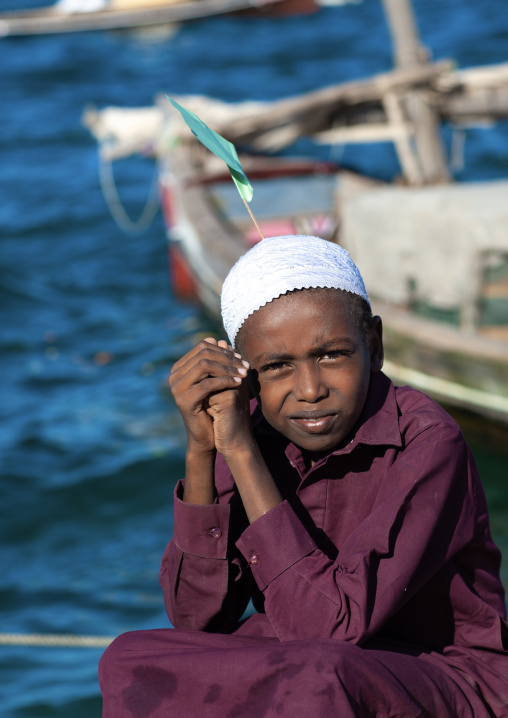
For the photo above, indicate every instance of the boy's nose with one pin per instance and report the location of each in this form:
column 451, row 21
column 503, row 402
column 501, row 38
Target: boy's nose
column 308, row 384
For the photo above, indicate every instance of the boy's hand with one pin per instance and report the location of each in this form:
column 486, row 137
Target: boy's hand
column 210, row 389
column 209, row 369
column 232, row 426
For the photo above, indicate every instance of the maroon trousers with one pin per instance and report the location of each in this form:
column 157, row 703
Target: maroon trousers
column 169, row 673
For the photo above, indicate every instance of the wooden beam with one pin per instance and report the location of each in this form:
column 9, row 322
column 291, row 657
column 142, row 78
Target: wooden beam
column 362, row 133
column 486, row 76
column 403, row 140
column 303, row 108
column 428, row 143
column 417, row 103
column 407, row 48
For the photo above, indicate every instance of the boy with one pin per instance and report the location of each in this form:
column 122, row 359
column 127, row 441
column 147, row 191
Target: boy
column 348, row 510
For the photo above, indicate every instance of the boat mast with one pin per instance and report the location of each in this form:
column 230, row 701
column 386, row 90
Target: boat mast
column 421, row 152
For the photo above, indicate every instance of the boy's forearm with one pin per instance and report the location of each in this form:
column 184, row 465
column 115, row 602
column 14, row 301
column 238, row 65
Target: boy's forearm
column 255, row 484
column 199, row 487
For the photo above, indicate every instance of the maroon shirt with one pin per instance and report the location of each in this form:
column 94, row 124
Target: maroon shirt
column 385, row 542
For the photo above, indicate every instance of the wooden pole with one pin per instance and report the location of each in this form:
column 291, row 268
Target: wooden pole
column 403, row 140
column 417, row 103
column 407, row 49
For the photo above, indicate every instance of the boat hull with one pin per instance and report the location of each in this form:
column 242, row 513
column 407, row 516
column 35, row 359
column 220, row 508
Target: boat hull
column 49, row 21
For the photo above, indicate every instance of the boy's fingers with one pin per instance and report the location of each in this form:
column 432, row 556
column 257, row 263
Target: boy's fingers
column 204, row 345
column 236, row 354
column 205, row 367
column 192, row 400
column 209, row 341
column 204, row 351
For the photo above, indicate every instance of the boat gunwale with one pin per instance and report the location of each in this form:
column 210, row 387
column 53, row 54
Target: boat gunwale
column 49, row 21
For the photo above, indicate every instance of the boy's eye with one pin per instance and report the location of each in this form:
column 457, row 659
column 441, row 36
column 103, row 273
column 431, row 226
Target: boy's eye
column 335, row 354
column 274, row 366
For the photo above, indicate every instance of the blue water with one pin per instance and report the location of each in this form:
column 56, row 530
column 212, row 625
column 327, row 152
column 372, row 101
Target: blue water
column 90, row 443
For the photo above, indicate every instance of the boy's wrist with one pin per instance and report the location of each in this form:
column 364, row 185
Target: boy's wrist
column 241, row 452
column 199, row 463
column 197, row 451
column 255, row 484
column 199, row 487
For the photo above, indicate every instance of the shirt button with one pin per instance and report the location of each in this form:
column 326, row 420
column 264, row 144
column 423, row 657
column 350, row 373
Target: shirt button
column 215, row 533
column 253, row 559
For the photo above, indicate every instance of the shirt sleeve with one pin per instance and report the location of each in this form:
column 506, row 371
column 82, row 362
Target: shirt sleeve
column 202, row 585
column 424, row 514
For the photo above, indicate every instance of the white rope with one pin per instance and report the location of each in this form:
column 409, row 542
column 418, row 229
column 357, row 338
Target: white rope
column 457, row 149
column 115, row 205
column 54, row 639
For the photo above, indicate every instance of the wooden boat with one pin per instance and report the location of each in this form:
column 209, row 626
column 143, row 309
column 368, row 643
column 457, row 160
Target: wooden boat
column 208, row 230
column 447, row 244
column 125, row 14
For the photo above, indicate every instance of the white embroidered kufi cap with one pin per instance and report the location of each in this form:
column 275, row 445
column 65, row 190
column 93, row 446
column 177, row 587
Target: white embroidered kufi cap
column 278, row 265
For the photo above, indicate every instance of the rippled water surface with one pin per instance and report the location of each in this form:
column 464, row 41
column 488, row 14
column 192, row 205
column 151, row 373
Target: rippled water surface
column 90, row 444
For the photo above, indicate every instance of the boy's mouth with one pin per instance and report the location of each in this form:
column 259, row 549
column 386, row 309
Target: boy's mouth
column 317, row 422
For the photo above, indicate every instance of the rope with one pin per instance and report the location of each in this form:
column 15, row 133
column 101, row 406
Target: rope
column 115, row 205
column 457, row 149
column 54, row 639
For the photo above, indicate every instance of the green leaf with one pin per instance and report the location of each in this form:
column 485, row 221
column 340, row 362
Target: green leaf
column 220, row 147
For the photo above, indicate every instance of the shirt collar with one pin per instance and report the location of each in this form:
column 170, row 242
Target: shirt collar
column 378, row 424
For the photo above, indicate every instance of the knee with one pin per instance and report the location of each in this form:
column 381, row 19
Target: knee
column 106, row 660
column 111, row 658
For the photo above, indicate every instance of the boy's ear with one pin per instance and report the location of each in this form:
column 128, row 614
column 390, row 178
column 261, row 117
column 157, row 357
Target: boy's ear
column 376, row 345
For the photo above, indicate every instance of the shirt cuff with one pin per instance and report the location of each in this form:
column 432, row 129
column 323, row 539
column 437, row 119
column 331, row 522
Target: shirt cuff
column 200, row 530
column 274, row 542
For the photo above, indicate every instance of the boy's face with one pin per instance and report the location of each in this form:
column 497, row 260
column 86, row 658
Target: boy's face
column 312, row 366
